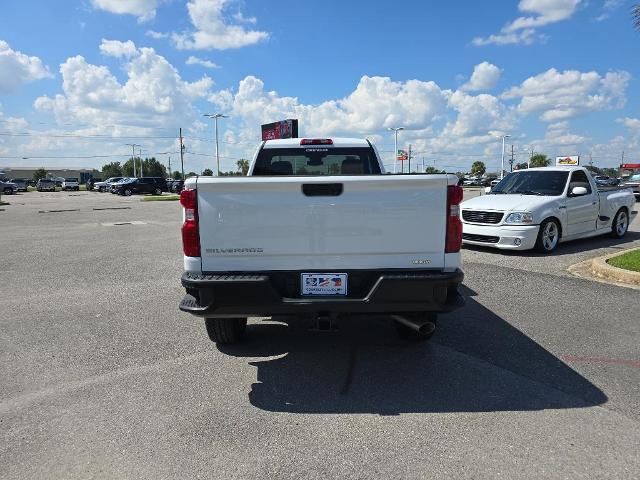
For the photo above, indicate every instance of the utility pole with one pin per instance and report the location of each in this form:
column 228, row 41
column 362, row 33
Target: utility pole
column 530, row 157
column 590, row 160
column 502, row 160
column 181, row 155
column 409, row 158
column 395, row 146
column 170, row 173
column 215, row 117
column 511, row 161
column 141, row 172
column 133, row 156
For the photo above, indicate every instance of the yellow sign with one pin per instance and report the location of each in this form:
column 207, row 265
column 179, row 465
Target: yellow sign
column 571, row 160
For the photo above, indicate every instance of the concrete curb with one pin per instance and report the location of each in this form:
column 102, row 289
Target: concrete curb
column 600, row 268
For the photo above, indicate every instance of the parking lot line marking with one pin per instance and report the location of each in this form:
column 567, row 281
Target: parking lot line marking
column 112, row 208
column 611, row 361
column 115, row 224
column 58, row 211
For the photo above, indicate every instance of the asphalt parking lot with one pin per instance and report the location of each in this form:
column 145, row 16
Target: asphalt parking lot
column 102, row 376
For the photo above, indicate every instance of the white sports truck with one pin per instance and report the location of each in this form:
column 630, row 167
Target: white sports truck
column 542, row 207
column 317, row 230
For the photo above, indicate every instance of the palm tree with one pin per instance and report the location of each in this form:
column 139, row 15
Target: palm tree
column 635, row 13
column 243, row 166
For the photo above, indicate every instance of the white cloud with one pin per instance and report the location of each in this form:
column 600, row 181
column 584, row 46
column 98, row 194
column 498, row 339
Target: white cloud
column 485, row 76
column 116, row 48
column 376, row 103
column 212, row 30
column 17, row 69
column 156, row 35
column 562, row 95
column 239, row 17
column 608, row 7
column 143, row 9
column 522, row 30
column 154, row 94
column 202, row 62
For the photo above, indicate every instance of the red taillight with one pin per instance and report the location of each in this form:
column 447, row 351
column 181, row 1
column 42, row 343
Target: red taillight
column 190, row 229
column 316, row 141
column 454, row 225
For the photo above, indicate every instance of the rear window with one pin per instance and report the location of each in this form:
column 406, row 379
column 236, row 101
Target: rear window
column 634, row 178
column 70, row 179
column 46, row 181
column 317, row 161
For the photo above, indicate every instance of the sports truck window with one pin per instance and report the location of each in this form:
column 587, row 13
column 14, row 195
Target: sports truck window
column 317, row 160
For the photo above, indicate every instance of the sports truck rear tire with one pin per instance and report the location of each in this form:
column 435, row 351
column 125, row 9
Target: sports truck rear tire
column 225, row 331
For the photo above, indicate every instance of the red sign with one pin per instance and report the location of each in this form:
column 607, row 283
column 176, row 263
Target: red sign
column 630, row 166
column 282, row 129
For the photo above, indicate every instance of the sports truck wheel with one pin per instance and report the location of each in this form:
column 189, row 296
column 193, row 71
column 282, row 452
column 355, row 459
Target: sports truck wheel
column 548, row 236
column 620, row 224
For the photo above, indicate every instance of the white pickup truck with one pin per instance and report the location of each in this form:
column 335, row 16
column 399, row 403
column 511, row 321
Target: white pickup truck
column 316, row 229
column 542, row 207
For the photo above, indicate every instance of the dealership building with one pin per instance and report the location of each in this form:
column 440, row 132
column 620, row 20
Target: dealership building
column 81, row 174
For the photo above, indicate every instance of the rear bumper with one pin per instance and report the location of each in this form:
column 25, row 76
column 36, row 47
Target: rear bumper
column 508, row 237
column 278, row 293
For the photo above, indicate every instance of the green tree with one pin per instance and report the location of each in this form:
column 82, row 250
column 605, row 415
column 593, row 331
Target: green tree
column 521, row 166
column 431, row 169
column 113, row 169
column 39, row 173
column 539, row 160
column 153, row 168
column 243, row 166
column 207, row 172
column 478, row 168
column 177, row 175
column 191, row 174
column 635, row 13
column 127, row 168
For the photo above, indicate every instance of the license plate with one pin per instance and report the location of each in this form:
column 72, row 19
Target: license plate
column 324, row 284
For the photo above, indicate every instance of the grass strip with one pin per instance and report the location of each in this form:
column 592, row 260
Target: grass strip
column 628, row 261
column 163, row 198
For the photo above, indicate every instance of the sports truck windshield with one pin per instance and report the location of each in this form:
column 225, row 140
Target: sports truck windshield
column 317, row 160
column 550, row 183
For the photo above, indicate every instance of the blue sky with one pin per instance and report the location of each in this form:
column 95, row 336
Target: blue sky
column 79, row 80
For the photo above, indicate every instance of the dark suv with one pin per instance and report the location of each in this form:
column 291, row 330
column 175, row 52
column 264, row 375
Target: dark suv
column 154, row 185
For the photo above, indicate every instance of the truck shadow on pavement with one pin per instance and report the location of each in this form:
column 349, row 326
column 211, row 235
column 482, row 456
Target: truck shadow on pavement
column 476, row 362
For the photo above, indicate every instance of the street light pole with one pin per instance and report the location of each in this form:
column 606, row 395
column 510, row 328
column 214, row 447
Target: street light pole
column 215, row 117
column 395, row 146
column 133, row 156
column 502, row 161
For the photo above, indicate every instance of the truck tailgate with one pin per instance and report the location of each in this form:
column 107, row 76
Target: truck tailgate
column 305, row 223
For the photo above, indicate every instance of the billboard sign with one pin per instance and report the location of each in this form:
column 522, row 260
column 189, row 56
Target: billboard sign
column 402, row 155
column 630, row 166
column 282, row 129
column 570, row 160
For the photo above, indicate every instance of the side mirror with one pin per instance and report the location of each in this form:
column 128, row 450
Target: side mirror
column 487, row 190
column 578, row 191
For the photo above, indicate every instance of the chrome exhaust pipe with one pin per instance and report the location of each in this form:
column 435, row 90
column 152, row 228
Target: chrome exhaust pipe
column 422, row 326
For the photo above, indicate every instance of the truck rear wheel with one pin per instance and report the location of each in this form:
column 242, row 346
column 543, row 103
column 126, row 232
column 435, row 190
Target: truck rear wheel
column 408, row 333
column 225, row 330
column 620, row 224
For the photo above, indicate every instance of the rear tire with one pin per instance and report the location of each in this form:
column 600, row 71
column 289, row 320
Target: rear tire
column 407, row 333
column 548, row 236
column 157, row 191
column 620, row 224
column 225, row 331
column 127, row 193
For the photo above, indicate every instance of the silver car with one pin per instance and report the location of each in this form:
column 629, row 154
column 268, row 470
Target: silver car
column 8, row 188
